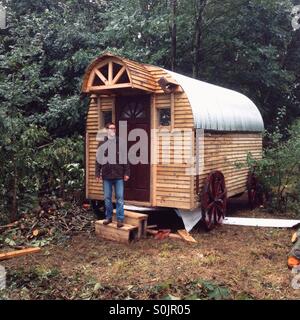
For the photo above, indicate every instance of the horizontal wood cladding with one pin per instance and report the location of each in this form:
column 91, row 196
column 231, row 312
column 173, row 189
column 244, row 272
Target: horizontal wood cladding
column 173, row 182
column 182, row 113
column 157, row 73
column 92, row 116
column 94, row 189
column 222, row 151
column 140, row 75
column 106, row 103
column 173, row 185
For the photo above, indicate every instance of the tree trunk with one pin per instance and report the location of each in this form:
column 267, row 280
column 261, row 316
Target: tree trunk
column 199, row 8
column 173, row 35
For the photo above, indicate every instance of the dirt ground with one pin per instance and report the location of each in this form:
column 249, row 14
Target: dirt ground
column 248, row 262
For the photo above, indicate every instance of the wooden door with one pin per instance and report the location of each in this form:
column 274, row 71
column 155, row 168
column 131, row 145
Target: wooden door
column 136, row 111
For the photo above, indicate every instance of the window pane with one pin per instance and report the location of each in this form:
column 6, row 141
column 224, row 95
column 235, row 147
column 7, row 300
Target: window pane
column 133, row 111
column 140, row 111
column 107, row 117
column 165, row 117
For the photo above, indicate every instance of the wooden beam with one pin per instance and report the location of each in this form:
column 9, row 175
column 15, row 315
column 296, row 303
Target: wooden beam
column 119, row 74
column 91, row 80
column 18, row 253
column 9, row 225
column 153, row 140
column 101, row 64
column 114, row 86
column 110, row 72
column 101, row 76
column 186, row 236
column 171, row 235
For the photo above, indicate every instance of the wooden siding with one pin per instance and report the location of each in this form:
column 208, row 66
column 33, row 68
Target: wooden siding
column 173, row 187
column 171, row 184
column 221, row 152
column 140, row 77
column 94, row 190
column 157, row 73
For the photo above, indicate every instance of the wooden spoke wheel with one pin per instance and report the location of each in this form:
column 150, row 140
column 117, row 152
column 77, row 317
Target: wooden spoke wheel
column 255, row 193
column 214, row 200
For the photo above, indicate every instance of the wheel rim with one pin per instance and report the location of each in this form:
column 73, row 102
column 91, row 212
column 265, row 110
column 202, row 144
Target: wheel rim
column 214, row 200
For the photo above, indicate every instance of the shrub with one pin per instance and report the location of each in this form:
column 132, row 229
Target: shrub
column 278, row 170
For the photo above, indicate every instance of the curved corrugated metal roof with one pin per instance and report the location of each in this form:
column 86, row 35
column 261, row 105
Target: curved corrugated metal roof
column 217, row 108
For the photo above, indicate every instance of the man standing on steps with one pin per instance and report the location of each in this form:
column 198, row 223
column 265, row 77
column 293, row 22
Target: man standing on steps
column 111, row 159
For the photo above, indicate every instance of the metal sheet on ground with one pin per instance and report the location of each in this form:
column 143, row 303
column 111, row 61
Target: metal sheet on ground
column 189, row 218
column 261, row 222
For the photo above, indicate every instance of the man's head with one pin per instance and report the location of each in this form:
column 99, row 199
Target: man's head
column 111, row 129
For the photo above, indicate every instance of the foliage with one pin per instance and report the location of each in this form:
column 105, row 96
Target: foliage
column 19, row 179
column 279, row 169
column 62, row 167
column 247, row 45
column 31, row 163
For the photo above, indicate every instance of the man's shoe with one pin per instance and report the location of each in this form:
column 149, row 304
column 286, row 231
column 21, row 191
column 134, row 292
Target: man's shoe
column 120, row 224
column 107, row 221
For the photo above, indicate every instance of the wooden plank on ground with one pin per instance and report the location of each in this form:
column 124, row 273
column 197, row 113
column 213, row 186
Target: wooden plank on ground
column 171, row 235
column 186, row 236
column 18, row 253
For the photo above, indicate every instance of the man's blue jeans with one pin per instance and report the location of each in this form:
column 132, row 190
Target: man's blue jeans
column 119, row 191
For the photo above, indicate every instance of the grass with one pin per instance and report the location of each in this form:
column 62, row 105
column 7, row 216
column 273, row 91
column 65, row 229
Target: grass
column 231, row 262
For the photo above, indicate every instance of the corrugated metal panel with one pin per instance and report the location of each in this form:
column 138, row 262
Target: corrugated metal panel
column 217, row 108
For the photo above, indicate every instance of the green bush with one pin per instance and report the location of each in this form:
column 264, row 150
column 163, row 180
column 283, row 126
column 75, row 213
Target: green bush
column 278, row 170
column 62, row 170
column 33, row 164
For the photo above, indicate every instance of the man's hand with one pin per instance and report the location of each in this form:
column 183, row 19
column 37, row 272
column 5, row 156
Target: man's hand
column 97, row 179
column 126, row 178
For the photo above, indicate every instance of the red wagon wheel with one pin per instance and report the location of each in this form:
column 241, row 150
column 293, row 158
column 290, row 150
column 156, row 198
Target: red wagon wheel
column 255, row 194
column 214, row 200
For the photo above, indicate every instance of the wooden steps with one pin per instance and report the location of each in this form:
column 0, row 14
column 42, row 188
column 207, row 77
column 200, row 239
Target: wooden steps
column 125, row 234
column 135, row 219
column 135, row 225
